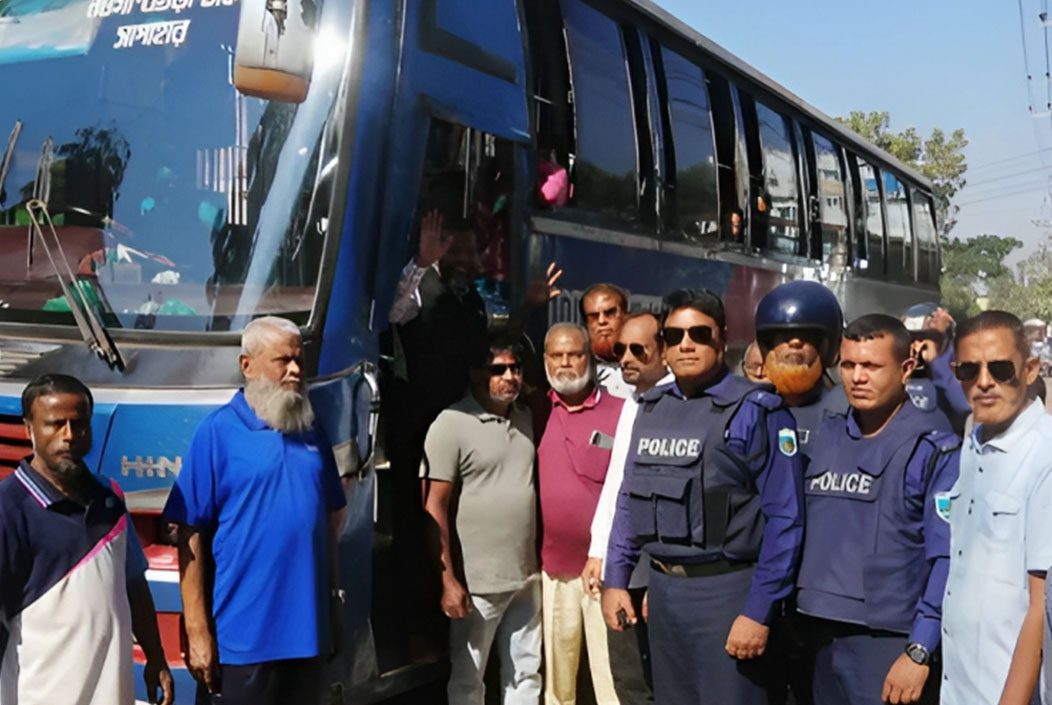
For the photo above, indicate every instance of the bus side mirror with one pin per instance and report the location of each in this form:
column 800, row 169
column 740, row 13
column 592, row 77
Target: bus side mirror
column 275, row 49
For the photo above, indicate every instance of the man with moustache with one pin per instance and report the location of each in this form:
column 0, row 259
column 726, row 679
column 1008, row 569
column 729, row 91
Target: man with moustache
column 798, row 327
column 603, row 308
column 712, row 490
column 258, row 597
column 72, row 573
column 1000, row 514
column 640, row 349
column 876, row 551
column 572, row 460
column 479, row 496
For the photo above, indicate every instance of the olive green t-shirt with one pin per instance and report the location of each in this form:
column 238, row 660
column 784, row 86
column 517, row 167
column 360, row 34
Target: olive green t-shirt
column 489, row 459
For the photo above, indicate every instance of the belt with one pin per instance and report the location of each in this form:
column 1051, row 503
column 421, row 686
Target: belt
column 700, row 570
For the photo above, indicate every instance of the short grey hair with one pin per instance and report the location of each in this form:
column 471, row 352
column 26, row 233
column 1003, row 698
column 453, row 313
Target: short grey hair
column 566, row 327
column 264, row 329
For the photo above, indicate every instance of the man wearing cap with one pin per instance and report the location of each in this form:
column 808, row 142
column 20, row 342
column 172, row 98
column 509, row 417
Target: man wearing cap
column 932, row 384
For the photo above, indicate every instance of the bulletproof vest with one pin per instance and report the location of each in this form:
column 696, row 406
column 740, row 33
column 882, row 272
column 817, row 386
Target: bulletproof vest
column 809, row 416
column 692, row 496
column 864, row 559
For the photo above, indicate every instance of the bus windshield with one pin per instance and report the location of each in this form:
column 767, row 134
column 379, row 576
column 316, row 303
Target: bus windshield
column 179, row 203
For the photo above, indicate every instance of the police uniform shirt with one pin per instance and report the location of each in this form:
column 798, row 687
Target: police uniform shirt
column 876, row 552
column 824, row 402
column 1001, row 523
column 761, row 436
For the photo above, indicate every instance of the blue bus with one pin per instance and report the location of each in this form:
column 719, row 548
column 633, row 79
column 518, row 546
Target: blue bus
column 175, row 168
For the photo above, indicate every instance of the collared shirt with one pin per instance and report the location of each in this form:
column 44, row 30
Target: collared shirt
column 1001, row 529
column 490, row 461
column 572, row 461
column 64, row 569
column 603, row 520
column 267, row 497
column 778, row 478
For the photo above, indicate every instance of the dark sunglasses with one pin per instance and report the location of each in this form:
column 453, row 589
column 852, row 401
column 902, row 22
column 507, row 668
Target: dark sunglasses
column 1002, row 371
column 702, row 335
column 638, row 351
column 499, row 370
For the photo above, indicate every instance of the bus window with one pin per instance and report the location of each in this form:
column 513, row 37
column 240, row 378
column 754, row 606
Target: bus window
column 781, row 196
column 832, row 200
column 928, row 269
column 874, row 218
column 605, row 165
column 692, row 173
column 552, row 113
column 900, row 241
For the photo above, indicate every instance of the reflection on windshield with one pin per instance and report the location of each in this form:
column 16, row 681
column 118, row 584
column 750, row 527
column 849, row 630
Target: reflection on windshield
column 183, row 204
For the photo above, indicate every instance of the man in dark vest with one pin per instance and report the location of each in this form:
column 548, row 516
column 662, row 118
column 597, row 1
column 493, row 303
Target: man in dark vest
column 712, row 490
column 876, row 553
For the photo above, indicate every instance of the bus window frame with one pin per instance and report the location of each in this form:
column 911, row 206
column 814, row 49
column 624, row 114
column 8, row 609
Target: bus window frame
column 933, row 269
column 753, row 135
column 816, row 207
column 904, row 273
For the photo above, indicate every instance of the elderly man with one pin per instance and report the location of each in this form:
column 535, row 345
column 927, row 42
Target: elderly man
column 572, row 459
column 480, row 498
column 603, row 308
column 1000, row 514
column 640, row 349
column 257, row 504
column 72, row 573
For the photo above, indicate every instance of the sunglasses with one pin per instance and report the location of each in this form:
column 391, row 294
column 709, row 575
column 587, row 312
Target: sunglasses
column 1002, row 371
column 638, row 351
column 702, row 335
column 499, row 370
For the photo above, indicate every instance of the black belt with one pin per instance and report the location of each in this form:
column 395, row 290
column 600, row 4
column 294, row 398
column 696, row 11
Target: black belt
column 699, row 570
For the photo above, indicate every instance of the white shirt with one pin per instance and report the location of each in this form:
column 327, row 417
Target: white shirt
column 609, row 375
column 1001, row 528
column 603, row 520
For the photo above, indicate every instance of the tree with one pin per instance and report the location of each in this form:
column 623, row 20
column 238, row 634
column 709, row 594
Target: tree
column 938, row 157
column 970, row 267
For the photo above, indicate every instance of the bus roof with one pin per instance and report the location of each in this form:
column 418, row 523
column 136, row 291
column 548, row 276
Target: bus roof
column 847, row 136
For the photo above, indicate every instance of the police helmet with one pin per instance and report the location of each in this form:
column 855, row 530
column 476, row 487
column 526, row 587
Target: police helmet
column 803, row 305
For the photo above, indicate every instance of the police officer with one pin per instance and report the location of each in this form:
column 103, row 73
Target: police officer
column 712, row 490
column 932, row 384
column 877, row 506
column 798, row 326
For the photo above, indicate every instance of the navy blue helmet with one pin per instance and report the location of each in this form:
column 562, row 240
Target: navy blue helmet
column 802, row 305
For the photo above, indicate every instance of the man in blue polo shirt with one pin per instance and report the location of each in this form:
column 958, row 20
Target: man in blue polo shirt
column 258, row 504
column 72, row 574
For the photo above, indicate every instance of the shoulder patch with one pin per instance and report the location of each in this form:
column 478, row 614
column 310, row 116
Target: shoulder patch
column 942, row 505
column 944, row 441
column 787, row 442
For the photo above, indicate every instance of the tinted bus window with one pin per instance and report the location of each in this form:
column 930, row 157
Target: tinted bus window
column 605, row 166
column 832, row 199
column 927, row 239
column 874, row 217
column 693, row 173
column 781, row 186
column 900, row 241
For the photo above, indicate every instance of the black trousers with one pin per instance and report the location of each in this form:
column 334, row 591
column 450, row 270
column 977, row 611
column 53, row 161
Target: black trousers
column 299, row 681
column 630, row 657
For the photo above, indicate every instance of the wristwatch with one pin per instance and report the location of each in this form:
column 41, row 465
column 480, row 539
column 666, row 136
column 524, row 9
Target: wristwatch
column 918, row 653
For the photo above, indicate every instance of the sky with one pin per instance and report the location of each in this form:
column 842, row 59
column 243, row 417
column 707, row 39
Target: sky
column 930, row 64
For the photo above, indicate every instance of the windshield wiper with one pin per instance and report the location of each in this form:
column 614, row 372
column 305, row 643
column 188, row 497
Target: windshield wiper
column 91, row 327
column 5, row 164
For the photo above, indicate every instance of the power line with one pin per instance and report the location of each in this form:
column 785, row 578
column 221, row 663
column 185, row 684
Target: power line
column 1006, row 177
column 1014, row 192
column 986, row 165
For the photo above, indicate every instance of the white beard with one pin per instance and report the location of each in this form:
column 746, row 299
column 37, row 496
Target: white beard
column 569, row 386
column 285, row 410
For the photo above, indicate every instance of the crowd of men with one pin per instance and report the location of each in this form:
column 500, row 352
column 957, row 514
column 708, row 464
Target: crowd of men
column 863, row 515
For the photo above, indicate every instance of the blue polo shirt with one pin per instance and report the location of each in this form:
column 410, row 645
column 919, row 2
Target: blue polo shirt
column 266, row 497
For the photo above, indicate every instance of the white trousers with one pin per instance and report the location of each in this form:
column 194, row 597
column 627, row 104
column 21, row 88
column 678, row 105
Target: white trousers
column 571, row 617
column 510, row 622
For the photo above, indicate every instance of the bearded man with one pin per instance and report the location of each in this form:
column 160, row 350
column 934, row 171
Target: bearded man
column 603, row 309
column 798, row 327
column 572, row 462
column 258, row 505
